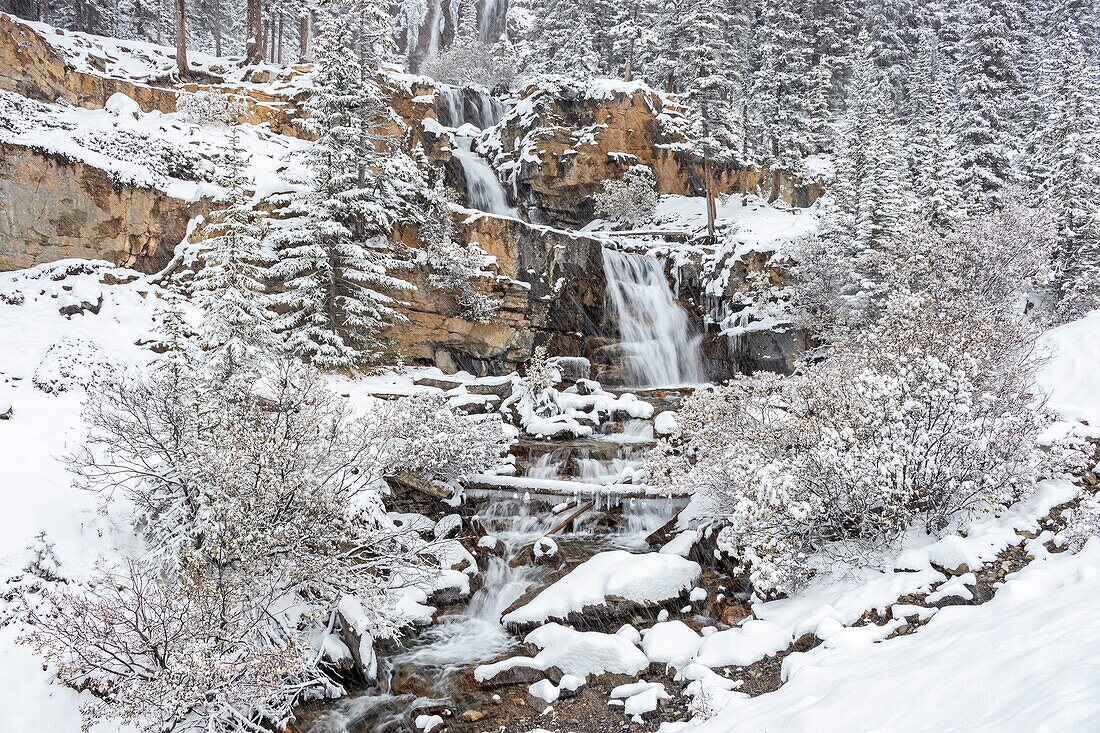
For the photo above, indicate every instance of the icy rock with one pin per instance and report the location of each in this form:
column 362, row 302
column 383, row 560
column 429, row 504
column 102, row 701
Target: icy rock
column 121, row 105
column 671, row 642
column 545, row 551
column 640, row 697
column 428, row 723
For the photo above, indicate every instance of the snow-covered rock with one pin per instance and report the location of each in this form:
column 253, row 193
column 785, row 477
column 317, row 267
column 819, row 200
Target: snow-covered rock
column 646, row 579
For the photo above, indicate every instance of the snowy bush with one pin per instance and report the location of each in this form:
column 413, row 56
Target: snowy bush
column 629, row 200
column 845, row 458
column 424, row 435
column 162, row 160
column 209, row 107
column 1082, row 524
column 73, row 362
column 260, row 512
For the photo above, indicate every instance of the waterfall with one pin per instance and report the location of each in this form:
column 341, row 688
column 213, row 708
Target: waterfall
column 491, row 20
column 483, row 188
column 659, row 347
column 456, row 106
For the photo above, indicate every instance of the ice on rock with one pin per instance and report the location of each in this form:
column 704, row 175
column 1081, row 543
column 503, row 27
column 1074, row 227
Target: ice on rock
column 578, row 653
column 743, row 645
column 640, row 697
column 665, row 423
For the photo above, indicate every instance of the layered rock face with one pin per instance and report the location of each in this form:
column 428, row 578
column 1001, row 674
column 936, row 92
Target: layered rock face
column 551, row 288
column 52, row 208
column 563, row 139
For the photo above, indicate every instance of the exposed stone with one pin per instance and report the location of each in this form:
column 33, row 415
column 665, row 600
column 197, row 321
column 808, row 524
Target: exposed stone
column 31, row 67
column 581, row 140
column 52, row 208
column 519, row 676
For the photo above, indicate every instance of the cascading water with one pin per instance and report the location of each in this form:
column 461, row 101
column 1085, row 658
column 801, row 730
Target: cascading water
column 483, row 189
column 491, row 20
column 660, row 348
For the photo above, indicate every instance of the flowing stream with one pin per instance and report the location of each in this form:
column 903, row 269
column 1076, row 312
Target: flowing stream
column 473, row 634
column 659, row 346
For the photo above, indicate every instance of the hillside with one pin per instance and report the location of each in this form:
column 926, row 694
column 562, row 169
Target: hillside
column 493, row 366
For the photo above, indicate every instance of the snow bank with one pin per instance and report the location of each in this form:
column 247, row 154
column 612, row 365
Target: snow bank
column 578, row 653
column 1070, row 376
column 1023, row 661
column 647, row 578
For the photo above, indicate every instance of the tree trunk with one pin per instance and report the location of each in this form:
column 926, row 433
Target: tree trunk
column 363, row 141
column 280, row 58
column 181, row 36
column 628, row 72
column 303, row 36
column 712, row 209
column 217, row 27
column 254, row 45
column 43, row 11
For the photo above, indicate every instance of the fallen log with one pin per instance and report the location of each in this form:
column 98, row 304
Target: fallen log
column 404, row 481
column 568, row 520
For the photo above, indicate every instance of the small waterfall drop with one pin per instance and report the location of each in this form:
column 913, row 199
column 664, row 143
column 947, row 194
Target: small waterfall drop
column 659, row 346
column 483, row 189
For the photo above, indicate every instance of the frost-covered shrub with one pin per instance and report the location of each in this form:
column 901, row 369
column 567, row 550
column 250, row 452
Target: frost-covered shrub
column 1082, row 523
column 261, row 515
column 209, row 107
column 424, row 435
column 73, row 362
column 473, row 62
column 630, row 199
column 161, row 159
column 845, row 458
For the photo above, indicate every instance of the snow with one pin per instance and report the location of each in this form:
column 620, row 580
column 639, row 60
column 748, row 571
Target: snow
column 647, row 578
column 665, row 423
column 640, row 697
column 743, row 645
column 148, row 149
column 1023, row 661
column 673, row 643
column 1069, row 377
column 578, row 653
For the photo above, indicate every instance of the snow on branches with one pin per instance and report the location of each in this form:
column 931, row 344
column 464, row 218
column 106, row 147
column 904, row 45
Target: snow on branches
column 629, row 200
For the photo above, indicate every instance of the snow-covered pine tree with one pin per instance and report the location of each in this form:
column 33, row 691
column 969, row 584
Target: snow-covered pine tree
column 990, row 82
column 780, row 122
column 236, row 327
column 871, row 167
column 933, row 156
column 1071, row 143
column 334, row 254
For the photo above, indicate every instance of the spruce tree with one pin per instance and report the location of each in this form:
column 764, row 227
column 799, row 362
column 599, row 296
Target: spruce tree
column 1071, row 140
column 334, row 255
column 236, row 328
column 990, row 83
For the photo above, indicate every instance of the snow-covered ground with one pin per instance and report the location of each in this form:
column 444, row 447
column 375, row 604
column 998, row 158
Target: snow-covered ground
column 168, row 152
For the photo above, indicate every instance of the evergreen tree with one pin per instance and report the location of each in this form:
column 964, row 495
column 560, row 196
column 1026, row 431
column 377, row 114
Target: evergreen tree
column 990, row 82
column 933, row 156
column 780, row 92
column 230, row 288
column 335, row 256
column 870, row 189
column 1071, row 140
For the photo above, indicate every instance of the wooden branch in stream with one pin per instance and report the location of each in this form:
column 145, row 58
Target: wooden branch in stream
column 569, row 520
column 406, row 481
